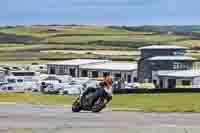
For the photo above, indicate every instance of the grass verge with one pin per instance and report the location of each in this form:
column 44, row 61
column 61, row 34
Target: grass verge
column 175, row 102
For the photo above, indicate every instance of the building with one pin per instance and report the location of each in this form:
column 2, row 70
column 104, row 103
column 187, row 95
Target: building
column 126, row 71
column 20, row 76
column 166, row 66
column 70, row 67
column 172, row 79
column 94, row 68
column 38, row 68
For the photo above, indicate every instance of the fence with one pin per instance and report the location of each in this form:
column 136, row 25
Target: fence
column 175, row 90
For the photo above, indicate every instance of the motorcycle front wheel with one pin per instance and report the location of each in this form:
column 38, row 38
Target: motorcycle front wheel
column 76, row 106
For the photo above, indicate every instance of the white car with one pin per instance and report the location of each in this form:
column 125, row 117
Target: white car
column 92, row 84
column 81, row 79
column 72, row 89
column 53, row 88
column 132, row 85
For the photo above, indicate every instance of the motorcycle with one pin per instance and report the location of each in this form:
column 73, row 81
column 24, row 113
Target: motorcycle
column 89, row 102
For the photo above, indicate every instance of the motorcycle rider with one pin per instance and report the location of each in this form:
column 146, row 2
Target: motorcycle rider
column 108, row 83
column 106, row 87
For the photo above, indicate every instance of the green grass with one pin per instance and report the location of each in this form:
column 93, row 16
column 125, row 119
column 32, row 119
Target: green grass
column 22, row 62
column 139, row 102
column 188, row 43
column 24, row 58
column 29, row 47
column 19, row 131
column 116, row 36
column 159, row 102
column 43, row 31
column 36, row 99
column 113, row 39
column 128, row 38
column 27, row 54
column 69, row 56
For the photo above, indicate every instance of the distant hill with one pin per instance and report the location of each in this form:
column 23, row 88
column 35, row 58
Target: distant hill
column 172, row 28
column 129, row 37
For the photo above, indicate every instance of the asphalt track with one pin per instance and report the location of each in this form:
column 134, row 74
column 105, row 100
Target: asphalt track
column 58, row 119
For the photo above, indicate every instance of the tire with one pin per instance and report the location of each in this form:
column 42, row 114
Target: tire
column 76, row 107
column 97, row 107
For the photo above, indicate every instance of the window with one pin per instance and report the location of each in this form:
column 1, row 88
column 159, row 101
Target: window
column 117, row 76
column 19, row 80
column 135, row 79
column 72, row 72
column 171, row 83
column 155, row 82
column 95, row 74
column 129, row 78
column 66, row 70
column 84, row 73
column 23, row 73
column 175, row 65
column 180, row 66
column 161, row 83
column 52, row 70
column 179, row 53
column 61, row 70
column 186, row 82
column 11, row 81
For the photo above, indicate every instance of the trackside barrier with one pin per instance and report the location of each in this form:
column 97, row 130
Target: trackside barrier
column 175, row 90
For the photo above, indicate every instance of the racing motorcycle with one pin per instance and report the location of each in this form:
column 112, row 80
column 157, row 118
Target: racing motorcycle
column 88, row 101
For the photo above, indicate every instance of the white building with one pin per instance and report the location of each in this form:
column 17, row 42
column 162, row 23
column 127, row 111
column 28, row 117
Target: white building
column 94, row 68
column 20, row 76
column 174, row 78
column 38, row 68
column 126, row 71
column 70, row 67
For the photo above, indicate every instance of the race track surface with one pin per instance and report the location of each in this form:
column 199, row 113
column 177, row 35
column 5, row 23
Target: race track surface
column 57, row 119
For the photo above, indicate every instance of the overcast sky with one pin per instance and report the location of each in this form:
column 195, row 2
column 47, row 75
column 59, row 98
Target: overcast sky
column 100, row 12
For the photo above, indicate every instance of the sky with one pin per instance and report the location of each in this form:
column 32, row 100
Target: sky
column 100, row 12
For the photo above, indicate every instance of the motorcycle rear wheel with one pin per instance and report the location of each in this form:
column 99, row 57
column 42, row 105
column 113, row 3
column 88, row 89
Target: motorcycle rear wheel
column 98, row 106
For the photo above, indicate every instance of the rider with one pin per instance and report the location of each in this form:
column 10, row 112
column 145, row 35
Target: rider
column 108, row 83
column 106, row 87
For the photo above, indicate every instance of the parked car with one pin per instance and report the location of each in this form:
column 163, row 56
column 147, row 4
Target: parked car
column 132, row 85
column 92, row 83
column 81, row 80
column 12, row 88
column 52, row 88
column 147, row 86
column 72, row 89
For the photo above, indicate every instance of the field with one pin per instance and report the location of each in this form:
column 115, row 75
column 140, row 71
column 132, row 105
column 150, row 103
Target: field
column 118, row 38
column 47, row 31
column 139, row 102
column 21, row 44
